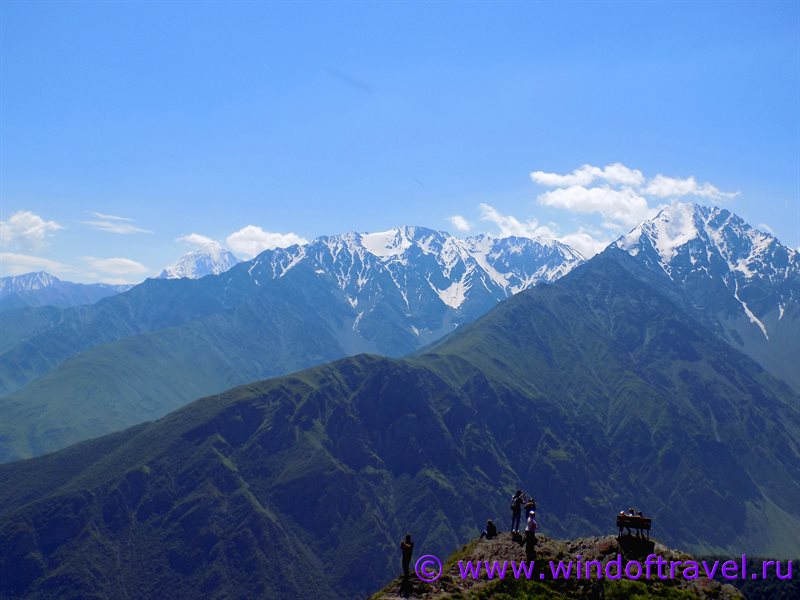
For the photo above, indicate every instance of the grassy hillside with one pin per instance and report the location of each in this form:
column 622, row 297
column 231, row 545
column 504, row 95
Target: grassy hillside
column 142, row 377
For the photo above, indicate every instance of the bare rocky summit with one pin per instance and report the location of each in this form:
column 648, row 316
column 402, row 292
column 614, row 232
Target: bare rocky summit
column 452, row 586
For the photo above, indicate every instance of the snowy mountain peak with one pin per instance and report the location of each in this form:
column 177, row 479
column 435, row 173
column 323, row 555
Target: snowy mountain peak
column 686, row 237
column 27, row 282
column 671, row 228
column 209, row 259
column 721, row 260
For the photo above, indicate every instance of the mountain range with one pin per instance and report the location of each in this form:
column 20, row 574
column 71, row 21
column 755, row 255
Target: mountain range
column 43, row 289
column 596, row 392
column 67, row 375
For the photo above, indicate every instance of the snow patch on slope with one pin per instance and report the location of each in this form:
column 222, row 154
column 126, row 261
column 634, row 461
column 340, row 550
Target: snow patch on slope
column 455, row 294
column 386, row 243
column 210, row 259
column 670, row 229
column 753, row 318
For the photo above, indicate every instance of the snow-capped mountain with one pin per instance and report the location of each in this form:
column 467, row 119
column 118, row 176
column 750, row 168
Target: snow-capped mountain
column 209, row 259
column 43, row 289
column 741, row 281
column 27, row 283
column 430, row 279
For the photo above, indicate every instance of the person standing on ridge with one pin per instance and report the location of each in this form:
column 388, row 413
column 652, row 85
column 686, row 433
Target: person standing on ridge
column 530, row 536
column 517, row 500
column 407, row 547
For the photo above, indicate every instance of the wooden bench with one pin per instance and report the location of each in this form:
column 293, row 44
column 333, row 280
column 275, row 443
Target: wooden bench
column 641, row 524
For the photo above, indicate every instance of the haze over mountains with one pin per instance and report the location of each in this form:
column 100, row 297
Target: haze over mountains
column 74, row 374
column 603, row 389
column 43, row 289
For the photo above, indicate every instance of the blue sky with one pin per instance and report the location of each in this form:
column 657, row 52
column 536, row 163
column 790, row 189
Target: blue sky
column 295, row 120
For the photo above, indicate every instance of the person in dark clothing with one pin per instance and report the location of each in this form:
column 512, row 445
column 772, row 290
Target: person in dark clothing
column 639, row 530
column 490, row 531
column 407, row 547
column 530, row 505
column 517, row 500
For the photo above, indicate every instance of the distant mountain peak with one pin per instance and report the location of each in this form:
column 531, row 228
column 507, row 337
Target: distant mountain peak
column 209, row 259
column 41, row 288
column 686, row 235
column 721, row 264
column 671, row 228
column 28, row 281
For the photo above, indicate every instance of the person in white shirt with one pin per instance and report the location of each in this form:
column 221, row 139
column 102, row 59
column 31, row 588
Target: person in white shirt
column 530, row 536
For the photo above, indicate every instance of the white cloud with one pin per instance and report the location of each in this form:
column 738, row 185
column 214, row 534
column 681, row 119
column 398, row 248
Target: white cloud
column 615, row 173
column 582, row 240
column 460, row 223
column 106, row 217
column 621, row 195
column 18, row 264
column 581, row 176
column 26, row 230
column 585, row 243
column 510, row 226
column 661, row 186
column 114, row 224
column 117, row 280
column 765, row 227
column 115, row 227
column 623, row 205
column 251, row 240
column 198, row 240
column 116, row 266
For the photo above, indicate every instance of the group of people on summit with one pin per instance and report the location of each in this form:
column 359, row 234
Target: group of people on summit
column 635, row 518
column 519, row 502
